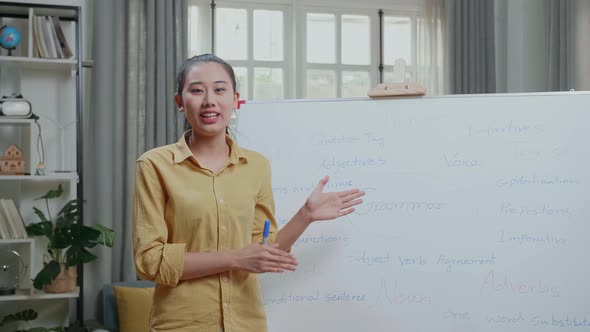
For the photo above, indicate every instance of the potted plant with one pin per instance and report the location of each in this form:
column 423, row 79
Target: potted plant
column 29, row 315
column 68, row 241
column 26, row 316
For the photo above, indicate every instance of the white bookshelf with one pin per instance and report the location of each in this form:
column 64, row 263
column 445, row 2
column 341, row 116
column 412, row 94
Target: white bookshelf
column 16, row 122
column 69, row 3
column 53, row 88
column 27, row 294
column 41, row 63
column 52, row 177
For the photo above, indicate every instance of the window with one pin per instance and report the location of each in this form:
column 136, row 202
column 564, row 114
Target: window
column 399, row 48
column 232, row 33
column 331, row 52
column 335, row 66
column 252, row 41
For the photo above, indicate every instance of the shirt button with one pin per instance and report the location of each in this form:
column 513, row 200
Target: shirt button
column 224, row 279
column 223, row 228
column 225, row 305
column 221, row 200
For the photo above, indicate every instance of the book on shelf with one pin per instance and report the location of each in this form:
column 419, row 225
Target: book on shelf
column 38, row 31
column 13, row 224
column 56, row 49
column 9, row 232
column 49, row 38
column 36, row 41
column 17, row 219
column 4, row 231
column 61, row 37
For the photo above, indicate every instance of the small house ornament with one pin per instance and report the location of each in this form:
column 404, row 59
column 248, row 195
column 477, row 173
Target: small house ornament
column 12, row 162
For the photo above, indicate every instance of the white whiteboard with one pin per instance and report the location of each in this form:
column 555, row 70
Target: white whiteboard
column 476, row 216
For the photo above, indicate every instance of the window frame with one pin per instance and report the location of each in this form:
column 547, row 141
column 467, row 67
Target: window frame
column 250, row 63
column 338, row 67
column 413, row 15
column 294, row 64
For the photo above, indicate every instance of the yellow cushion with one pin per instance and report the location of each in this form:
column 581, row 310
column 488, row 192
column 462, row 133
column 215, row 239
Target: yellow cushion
column 133, row 307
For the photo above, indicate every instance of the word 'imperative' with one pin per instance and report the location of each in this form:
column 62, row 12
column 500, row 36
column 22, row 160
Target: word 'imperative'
column 527, row 239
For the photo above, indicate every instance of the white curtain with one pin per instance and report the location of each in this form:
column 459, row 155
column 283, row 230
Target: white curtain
column 199, row 27
column 431, row 44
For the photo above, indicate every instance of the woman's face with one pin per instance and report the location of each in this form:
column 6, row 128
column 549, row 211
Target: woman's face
column 208, row 99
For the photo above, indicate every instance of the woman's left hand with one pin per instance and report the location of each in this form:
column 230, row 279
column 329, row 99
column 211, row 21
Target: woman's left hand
column 322, row 205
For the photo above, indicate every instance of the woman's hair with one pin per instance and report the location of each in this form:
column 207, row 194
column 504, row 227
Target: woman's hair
column 198, row 59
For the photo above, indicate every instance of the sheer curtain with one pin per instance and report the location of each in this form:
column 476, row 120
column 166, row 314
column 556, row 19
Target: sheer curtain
column 136, row 55
column 431, row 54
column 199, row 27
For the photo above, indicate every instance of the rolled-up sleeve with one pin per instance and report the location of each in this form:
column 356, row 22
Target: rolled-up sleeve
column 155, row 259
column 265, row 208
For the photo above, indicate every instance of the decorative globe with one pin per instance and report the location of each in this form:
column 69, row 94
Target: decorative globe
column 9, row 37
column 12, row 268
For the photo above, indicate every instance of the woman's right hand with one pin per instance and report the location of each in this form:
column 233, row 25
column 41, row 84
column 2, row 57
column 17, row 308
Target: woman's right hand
column 261, row 258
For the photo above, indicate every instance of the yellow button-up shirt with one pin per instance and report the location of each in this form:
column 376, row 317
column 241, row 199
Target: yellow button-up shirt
column 181, row 207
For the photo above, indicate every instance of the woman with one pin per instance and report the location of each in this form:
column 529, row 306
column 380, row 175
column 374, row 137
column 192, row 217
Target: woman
column 199, row 210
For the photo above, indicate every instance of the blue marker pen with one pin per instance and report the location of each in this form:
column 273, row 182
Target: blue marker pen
column 266, row 232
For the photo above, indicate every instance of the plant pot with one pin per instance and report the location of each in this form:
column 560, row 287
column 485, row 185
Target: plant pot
column 65, row 281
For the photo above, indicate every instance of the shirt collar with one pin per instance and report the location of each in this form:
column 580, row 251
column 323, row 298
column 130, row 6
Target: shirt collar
column 182, row 151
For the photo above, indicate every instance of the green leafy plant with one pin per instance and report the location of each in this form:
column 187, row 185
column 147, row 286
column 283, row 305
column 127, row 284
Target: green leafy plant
column 26, row 316
column 68, row 239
